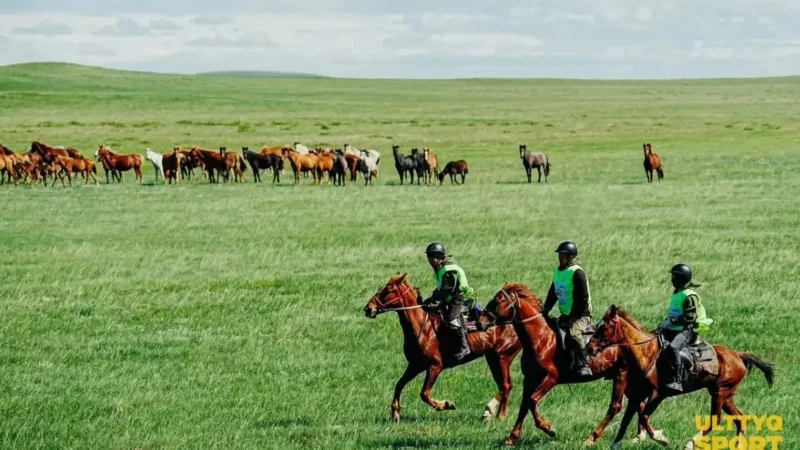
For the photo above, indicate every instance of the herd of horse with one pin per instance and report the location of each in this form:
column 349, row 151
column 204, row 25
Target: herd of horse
column 338, row 165
column 513, row 322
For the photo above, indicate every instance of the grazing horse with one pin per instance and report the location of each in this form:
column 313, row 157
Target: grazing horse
column 211, row 160
column 431, row 166
column 403, row 164
column 158, row 163
column 339, row 169
column 260, row 161
column 652, row 162
column 641, row 350
column 119, row 163
column 368, row 166
column 498, row 345
column 536, row 160
column 301, row 163
column 454, row 168
column 546, row 363
column 68, row 166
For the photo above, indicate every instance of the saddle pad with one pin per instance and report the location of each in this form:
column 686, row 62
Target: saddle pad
column 705, row 358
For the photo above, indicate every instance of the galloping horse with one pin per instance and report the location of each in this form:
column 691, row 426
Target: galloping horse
column 536, row 160
column 69, row 166
column 421, row 347
column 652, row 162
column 117, row 164
column 403, row 164
column 454, row 168
column 48, row 153
column 546, row 364
column 641, row 350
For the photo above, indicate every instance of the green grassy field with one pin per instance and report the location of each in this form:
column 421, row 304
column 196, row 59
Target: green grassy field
column 229, row 316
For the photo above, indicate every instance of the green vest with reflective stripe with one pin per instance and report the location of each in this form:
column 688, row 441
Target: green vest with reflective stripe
column 463, row 285
column 675, row 311
column 562, row 282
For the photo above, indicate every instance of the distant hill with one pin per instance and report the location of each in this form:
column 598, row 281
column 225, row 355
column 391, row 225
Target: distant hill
column 258, row 74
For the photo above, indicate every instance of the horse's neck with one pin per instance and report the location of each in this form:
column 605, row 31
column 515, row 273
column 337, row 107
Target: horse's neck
column 641, row 347
column 411, row 320
column 528, row 332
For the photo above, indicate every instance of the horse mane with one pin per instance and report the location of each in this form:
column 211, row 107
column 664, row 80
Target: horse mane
column 629, row 318
column 524, row 292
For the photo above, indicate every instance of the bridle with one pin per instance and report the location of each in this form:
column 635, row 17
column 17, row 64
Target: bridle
column 512, row 304
column 618, row 337
column 383, row 307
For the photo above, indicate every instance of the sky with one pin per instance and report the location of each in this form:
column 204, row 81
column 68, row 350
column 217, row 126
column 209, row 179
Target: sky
column 598, row 39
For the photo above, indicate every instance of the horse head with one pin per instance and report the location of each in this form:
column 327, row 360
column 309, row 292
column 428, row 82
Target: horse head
column 396, row 293
column 523, row 148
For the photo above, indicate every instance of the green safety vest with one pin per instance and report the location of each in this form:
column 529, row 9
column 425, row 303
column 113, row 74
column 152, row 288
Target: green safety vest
column 463, row 286
column 562, row 282
column 675, row 311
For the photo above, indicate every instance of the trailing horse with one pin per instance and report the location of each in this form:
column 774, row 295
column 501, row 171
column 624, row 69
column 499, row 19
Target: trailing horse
column 454, row 168
column 68, row 166
column 421, row 347
column 116, row 164
column 546, row 362
column 720, row 374
column 536, row 160
column 403, row 164
column 652, row 162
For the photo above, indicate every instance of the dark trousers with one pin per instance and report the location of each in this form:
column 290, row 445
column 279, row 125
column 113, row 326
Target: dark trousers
column 453, row 310
column 456, row 334
column 678, row 340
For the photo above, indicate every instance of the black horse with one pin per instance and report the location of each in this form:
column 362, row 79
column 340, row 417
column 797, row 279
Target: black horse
column 339, row 170
column 258, row 161
column 419, row 161
column 403, row 164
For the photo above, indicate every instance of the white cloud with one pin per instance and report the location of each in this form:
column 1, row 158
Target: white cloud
column 643, row 13
column 737, row 19
column 45, row 28
column 567, row 17
column 123, row 27
column 163, row 25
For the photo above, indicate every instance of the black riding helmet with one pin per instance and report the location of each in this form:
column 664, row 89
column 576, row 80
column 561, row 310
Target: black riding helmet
column 567, row 247
column 436, row 250
column 681, row 272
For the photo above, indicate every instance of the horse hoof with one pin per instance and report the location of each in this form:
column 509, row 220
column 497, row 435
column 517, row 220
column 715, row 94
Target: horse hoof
column 588, row 443
column 658, row 436
column 510, row 441
column 487, row 416
column 616, row 446
column 448, row 405
column 396, row 418
column 551, row 432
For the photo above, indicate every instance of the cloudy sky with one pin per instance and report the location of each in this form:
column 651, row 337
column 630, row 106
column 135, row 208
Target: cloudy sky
column 411, row 38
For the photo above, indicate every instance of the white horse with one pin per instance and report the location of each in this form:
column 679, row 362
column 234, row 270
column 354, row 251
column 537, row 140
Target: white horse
column 368, row 165
column 350, row 150
column 300, row 148
column 158, row 163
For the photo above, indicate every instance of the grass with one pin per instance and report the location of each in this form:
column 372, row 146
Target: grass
column 229, row 316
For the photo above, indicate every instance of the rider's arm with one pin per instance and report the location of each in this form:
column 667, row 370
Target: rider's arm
column 551, row 300
column 580, row 295
column 689, row 310
column 449, row 287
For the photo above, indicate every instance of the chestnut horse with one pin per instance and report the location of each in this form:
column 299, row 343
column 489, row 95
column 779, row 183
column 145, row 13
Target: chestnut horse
column 301, row 163
column 116, row 163
column 68, row 166
column 211, row 160
column 172, row 163
column 11, row 164
column 421, row 347
column 48, row 153
column 234, row 162
column 546, row 364
column 641, row 350
column 431, row 165
column 324, row 163
column 454, row 168
column 652, row 162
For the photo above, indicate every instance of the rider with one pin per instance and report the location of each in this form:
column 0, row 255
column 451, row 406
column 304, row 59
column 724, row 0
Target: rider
column 451, row 290
column 571, row 289
column 685, row 317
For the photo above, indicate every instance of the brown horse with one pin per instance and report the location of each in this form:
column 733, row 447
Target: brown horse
column 421, row 347
column 454, row 168
column 276, row 150
column 431, row 165
column 8, row 165
column 641, row 350
column 352, row 165
column 211, row 161
column 301, row 163
column 116, row 163
column 69, row 166
column 545, row 363
column 652, row 162
column 48, row 153
column 537, row 160
column 173, row 163
column 233, row 162
column 324, row 163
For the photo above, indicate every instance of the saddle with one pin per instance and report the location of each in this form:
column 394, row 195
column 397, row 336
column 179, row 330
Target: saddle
column 697, row 357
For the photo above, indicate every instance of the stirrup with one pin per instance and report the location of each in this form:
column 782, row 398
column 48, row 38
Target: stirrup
column 674, row 386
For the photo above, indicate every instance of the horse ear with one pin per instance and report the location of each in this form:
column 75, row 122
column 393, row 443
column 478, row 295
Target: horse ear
column 611, row 312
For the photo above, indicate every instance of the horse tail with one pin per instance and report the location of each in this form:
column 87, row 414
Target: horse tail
column 94, row 168
column 660, row 173
column 767, row 367
column 546, row 165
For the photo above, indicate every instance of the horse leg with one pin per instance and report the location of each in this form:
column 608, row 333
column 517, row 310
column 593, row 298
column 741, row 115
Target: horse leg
column 539, row 170
column 543, row 424
column 529, row 384
column 411, row 372
column 430, row 379
column 644, row 420
column 500, row 372
column 716, row 405
column 138, row 173
column 529, row 172
column 730, row 408
column 617, row 392
column 630, row 410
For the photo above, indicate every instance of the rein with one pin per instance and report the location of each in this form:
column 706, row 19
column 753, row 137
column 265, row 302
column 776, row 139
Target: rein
column 513, row 306
column 382, row 307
